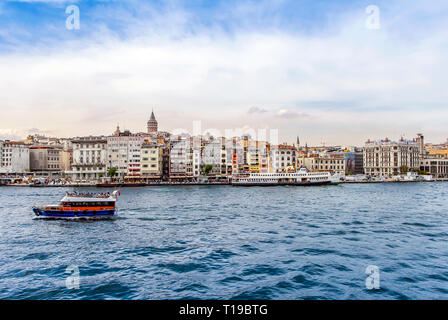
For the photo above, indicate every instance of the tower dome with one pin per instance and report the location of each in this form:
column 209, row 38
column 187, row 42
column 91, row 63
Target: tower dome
column 152, row 124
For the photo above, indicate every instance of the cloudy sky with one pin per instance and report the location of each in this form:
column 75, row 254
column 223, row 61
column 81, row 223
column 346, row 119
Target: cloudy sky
column 311, row 68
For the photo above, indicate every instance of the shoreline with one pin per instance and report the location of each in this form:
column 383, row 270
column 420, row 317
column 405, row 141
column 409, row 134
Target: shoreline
column 170, row 184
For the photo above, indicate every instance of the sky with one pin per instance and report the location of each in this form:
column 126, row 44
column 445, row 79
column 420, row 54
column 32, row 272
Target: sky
column 331, row 72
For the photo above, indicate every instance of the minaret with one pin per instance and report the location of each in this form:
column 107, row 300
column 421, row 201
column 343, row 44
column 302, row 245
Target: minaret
column 117, row 132
column 152, row 124
column 421, row 145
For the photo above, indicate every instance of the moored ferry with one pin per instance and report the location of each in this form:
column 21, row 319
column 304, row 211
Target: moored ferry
column 81, row 205
column 299, row 178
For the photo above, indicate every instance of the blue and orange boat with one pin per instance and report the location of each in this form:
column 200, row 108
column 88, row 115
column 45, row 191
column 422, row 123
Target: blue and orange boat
column 81, row 205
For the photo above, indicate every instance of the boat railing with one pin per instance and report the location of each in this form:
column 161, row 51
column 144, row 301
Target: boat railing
column 89, row 195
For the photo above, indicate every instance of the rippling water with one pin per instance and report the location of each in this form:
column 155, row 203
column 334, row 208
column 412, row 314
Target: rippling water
column 232, row 243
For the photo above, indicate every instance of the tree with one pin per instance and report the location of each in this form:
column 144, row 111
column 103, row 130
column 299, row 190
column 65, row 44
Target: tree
column 404, row 169
column 422, row 172
column 111, row 172
column 207, row 169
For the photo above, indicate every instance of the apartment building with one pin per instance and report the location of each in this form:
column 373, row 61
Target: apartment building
column 124, row 154
column 89, row 158
column 235, row 156
column 1, row 154
column 45, row 159
column 181, row 158
column 437, row 167
column 15, row 157
column 258, row 157
column 334, row 163
column 151, row 160
column 386, row 157
column 283, row 157
column 214, row 153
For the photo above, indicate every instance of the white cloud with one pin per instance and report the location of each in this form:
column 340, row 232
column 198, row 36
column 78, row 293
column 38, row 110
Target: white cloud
column 212, row 76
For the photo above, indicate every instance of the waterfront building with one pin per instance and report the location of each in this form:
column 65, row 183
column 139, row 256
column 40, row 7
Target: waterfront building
column 253, row 159
column 437, row 151
column 353, row 157
column 15, row 157
column 226, row 157
column 152, row 124
column 235, row 156
column 197, row 161
column 45, row 160
column 166, row 151
column 2, row 170
column 283, row 157
column 181, row 158
column 151, row 161
column 437, row 167
column 258, row 157
column 359, row 160
column 1, row 153
column 331, row 162
column 387, row 158
column 89, row 158
column 211, row 155
column 124, row 154
column 214, row 153
column 243, row 164
column 65, row 159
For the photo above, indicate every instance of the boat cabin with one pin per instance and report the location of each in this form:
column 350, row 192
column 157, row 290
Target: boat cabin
column 89, row 204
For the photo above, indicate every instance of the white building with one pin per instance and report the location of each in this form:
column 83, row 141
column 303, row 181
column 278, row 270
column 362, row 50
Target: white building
column 437, row 167
column 15, row 157
column 282, row 157
column 333, row 163
column 181, row 157
column 196, row 161
column 88, row 159
column 124, row 154
column 214, row 154
column 386, row 158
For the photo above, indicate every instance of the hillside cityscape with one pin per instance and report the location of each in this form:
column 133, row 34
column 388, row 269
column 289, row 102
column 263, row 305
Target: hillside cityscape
column 156, row 156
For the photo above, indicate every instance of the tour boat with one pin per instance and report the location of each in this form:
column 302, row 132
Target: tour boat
column 298, row 178
column 81, row 205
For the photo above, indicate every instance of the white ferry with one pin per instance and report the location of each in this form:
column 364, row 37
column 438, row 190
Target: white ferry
column 299, row 178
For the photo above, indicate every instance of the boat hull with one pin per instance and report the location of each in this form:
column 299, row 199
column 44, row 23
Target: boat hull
column 274, row 184
column 60, row 214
